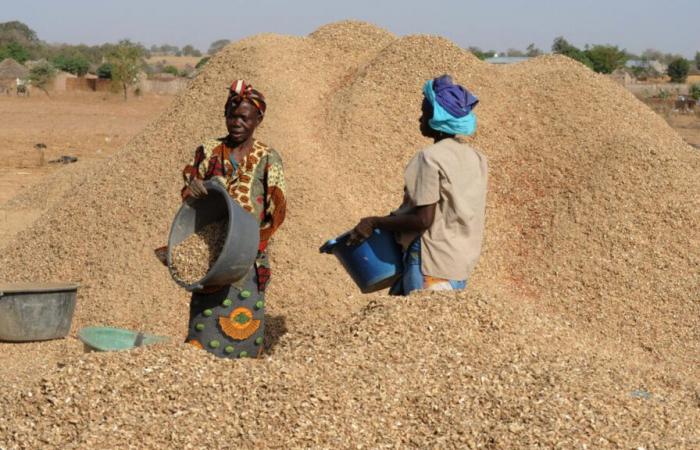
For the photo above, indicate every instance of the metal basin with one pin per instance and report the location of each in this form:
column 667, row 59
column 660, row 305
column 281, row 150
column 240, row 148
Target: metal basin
column 242, row 238
column 36, row 311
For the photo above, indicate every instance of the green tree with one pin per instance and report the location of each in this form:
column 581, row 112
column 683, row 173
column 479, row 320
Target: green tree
column 514, row 52
column 217, row 45
column 202, row 62
column 126, row 59
column 17, row 32
column 606, row 58
column 697, row 60
column 15, row 51
column 172, row 70
column 167, row 49
column 476, row 51
column 532, row 51
column 678, row 70
column 695, row 91
column 562, row 47
column 41, row 75
column 75, row 64
column 105, row 71
column 189, row 50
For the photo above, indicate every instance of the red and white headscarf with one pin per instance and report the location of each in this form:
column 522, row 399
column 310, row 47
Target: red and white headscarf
column 241, row 90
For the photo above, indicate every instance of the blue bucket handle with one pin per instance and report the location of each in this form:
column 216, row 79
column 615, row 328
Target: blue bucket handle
column 329, row 245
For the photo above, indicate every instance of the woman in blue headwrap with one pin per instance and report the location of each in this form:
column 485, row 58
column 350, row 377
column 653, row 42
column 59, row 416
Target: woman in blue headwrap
column 440, row 224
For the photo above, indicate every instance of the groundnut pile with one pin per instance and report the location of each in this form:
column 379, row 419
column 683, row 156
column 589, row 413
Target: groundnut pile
column 193, row 257
column 579, row 328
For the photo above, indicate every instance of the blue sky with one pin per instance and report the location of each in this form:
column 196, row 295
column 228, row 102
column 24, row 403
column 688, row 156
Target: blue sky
column 670, row 26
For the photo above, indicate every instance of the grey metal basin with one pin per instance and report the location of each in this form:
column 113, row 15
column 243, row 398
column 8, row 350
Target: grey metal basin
column 36, row 311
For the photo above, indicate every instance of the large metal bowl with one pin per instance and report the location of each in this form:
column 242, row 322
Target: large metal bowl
column 36, row 311
column 243, row 236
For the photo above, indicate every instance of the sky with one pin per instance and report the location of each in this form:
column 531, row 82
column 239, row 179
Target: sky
column 669, row 26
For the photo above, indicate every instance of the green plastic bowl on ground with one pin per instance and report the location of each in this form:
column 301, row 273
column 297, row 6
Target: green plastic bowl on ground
column 108, row 339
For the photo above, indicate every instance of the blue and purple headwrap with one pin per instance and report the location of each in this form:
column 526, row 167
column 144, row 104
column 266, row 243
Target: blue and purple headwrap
column 452, row 106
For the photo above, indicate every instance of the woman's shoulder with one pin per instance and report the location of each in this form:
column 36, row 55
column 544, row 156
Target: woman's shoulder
column 448, row 149
column 269, row 152
column 209, row 145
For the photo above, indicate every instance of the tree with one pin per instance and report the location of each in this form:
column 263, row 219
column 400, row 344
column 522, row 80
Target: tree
column 75, row 64
column 533, row 51
column 697, row 60
column 41, row 75
column 126, row 60
column 217, row 45
column 678, row 70
column 105, row 71
column 19, row 33
column 695, row 91
column 561, row 46
column 202, row 62
column 15, row 51
column 476, row 51
column 189, row 50
column 606, row 58
column 514, row 52
column 172, row 70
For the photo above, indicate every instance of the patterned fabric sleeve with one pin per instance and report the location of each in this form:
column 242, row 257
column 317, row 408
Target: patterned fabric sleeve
column 208, row 162
column 275, row 200
column 192, row 170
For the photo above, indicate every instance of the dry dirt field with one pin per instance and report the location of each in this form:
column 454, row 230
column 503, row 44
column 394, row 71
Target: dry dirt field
column 85, row 125
column 178, row 61
column 688, row 126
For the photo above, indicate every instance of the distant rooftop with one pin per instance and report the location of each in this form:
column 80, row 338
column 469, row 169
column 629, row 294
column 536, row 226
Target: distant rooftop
column 506, row 59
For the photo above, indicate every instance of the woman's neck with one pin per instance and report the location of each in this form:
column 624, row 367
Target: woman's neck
column 442, row 136
column 242, row 148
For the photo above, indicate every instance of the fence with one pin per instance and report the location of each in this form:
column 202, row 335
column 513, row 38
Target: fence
column 163, row 87
column 88, row 84
column 653, row 90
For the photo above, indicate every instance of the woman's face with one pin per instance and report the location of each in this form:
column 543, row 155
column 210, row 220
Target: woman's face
column 241, row 121
column 426, row 115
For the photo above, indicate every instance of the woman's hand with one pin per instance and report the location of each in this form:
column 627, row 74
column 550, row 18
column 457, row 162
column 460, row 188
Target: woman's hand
column 362, row 230
column 197, row 188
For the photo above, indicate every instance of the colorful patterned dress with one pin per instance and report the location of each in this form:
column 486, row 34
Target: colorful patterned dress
column 230, row 321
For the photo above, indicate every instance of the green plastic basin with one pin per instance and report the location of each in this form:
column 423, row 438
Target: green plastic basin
column 108, row 339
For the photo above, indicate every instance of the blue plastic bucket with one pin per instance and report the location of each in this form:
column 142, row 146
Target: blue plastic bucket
column 374, row 264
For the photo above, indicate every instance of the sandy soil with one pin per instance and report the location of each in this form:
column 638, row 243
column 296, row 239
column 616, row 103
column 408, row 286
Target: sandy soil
column 88, row 126
column 178, row 61
column 688, row 126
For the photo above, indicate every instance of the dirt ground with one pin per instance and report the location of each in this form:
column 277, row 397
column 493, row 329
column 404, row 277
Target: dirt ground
column 178, row 61
column 688, row 126
column 89, row 126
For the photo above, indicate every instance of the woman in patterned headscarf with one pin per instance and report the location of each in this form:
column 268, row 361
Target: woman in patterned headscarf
column 230, row 321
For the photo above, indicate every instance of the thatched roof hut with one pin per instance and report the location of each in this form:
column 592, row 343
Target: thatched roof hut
column 11, row 69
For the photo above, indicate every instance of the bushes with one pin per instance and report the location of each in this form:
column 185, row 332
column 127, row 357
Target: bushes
column 606, row 58
column 75, row 64
column 562, row 47
column 695, row 91
column 202, row 62
column 105, row 71
column 15, row 51
column 678, row 70
column 172, row 70
column 41, row 75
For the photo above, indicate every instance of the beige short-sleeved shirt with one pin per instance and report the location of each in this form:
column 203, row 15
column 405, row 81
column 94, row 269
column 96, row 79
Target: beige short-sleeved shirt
column 453, row 175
